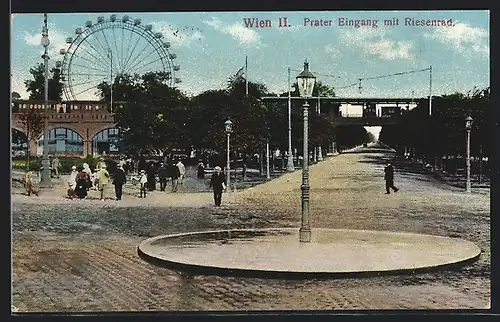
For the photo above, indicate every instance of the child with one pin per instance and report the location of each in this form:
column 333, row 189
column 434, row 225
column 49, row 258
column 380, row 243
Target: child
column 29, row 183
column 143, row 181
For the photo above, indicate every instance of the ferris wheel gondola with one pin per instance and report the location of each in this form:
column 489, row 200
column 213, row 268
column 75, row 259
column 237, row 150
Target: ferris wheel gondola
column 109, row 49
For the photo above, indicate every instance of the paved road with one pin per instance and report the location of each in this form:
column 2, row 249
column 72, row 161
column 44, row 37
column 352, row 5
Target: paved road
column 81, row 255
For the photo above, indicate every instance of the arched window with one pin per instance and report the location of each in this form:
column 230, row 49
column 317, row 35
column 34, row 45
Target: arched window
column 62, row 141
column 106, row 141
column 19, row 140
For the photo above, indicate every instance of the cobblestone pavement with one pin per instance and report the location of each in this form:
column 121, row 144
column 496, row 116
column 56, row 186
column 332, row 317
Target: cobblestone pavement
column 80, row 255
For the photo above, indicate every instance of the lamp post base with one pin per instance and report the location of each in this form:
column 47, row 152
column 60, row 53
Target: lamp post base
column 289, row 164
column 305, row 235
column 45, row 177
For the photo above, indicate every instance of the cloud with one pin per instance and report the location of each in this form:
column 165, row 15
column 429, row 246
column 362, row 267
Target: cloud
column 463, row 37
column 373, row 41
column 389, row 50
column 182, row 37
column 244, row 35
column 57, row 41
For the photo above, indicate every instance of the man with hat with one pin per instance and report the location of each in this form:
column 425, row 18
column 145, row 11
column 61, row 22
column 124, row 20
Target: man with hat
column 103, row 177
column 119, row 180
column 389, row 178
column 218, row 183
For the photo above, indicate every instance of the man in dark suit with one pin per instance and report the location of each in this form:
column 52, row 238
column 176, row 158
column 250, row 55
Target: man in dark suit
column 389, row 178
column 218, row 183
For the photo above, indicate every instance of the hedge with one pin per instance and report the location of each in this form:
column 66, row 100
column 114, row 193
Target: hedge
column 66, row 163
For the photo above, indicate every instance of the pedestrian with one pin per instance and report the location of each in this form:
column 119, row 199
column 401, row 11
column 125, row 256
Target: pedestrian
column 201, row 170
column 28, row 183
column 162, row 175
column 150, row 172
column 103, row 180
column 56, row 165
column 218, row 184
column 174, row 176
column 72, row 182
column 182, row 171
column 119, row 180
column 143, row 181
column 88, row 171
column 389, row 178
column 82, row 181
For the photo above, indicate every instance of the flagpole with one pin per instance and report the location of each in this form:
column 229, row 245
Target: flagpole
column 246, row 75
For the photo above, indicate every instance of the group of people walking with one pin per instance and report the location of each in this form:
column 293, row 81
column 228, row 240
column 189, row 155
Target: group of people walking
column 174, row 173
column 82, row 180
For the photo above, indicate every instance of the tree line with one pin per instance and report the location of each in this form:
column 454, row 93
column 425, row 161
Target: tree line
column 441, row 136
column 159, row 117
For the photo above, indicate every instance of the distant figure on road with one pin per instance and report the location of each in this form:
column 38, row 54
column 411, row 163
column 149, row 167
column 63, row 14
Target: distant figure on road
column 103, row 177
column 56, row 165
column 28, row 182
column 389, row 178
column 162, row 175
column 119, row 180
column 201, row 170
column 182, row 171
column 82, row 181
column 174, row 175
column 218, row 183
column 91, row 177
column 151, row 177
column 143, row 182
column 72, row 182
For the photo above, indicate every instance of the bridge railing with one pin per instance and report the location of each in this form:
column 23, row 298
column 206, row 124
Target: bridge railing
column 18, row 106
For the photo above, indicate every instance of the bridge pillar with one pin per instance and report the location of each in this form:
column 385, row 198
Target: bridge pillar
column 87, row 148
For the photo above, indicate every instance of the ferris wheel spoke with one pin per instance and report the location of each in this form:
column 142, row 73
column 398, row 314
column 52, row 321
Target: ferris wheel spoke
column 117, row 52
column 128, row 48
column 82, row 84
column 123, row 40
column 108, row 47
column 89, row 74
column 102, row 46
column 108, row 50
column 98, row 52
column 88, row 67
column 133, row 49
column 147, row 64
column 143, row 59
column 85, row 90
column 143, row 49
column 90, row 61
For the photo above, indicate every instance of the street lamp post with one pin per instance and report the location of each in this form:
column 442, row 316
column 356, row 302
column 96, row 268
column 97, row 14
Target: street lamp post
column 110, row 55
column 229, row 128
column 289, row 164
column 468, row 126
column 45, row 178
column 305, row 82
column 320, row 153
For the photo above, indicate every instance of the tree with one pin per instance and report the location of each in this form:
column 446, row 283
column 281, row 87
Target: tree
column 36, row 86
column 33, row 123
column 154, row 116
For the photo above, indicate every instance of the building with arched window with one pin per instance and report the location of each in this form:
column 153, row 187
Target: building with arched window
column 62, row 141
column 106, row 142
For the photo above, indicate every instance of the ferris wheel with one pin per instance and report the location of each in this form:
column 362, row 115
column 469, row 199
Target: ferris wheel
column 110, row 48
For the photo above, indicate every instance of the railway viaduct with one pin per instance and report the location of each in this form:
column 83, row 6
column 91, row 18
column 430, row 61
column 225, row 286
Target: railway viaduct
column 87, row 118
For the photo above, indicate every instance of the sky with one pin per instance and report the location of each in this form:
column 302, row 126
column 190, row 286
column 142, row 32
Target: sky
column 210, row 47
